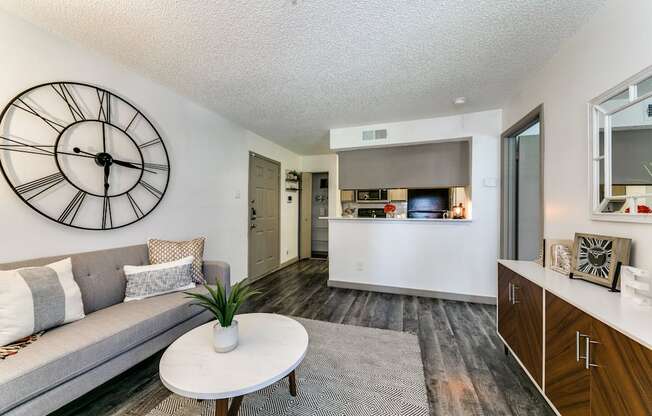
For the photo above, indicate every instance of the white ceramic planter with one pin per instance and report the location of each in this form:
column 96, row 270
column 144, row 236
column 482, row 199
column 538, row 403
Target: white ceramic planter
column 225, row 339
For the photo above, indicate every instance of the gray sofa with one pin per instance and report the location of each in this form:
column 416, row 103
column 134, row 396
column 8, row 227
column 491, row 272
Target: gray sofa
column 73, row 359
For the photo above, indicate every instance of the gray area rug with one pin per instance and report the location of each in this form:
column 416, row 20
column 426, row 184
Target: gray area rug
column 348, row 371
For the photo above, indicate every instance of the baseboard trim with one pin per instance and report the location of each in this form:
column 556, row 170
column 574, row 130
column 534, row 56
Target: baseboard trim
column 281, row 266
column 487, row 300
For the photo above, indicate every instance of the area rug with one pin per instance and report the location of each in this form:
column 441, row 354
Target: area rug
column 348, row 371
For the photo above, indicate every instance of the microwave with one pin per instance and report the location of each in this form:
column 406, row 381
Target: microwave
column 371, row 195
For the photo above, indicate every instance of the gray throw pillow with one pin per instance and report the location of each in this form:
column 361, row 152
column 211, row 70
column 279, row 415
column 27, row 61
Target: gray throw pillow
column 158, row 279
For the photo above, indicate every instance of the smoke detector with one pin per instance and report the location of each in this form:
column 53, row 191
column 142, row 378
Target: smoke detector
column 459, row 100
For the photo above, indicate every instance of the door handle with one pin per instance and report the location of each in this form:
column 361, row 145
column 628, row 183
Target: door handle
column 252, row 226
column 253, row 213
column 587, row 357
column 509, row 296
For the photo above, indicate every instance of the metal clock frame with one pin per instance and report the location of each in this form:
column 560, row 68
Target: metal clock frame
column 55, row 155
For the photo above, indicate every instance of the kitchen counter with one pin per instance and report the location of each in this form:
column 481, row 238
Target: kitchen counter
column 447, row 220
column 445, row 258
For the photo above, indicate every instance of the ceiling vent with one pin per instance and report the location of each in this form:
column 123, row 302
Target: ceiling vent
column 369, row 135
column 649, row 110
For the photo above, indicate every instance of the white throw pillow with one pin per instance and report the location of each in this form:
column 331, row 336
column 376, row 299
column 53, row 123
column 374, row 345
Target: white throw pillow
column 33, row 299
column 158, row 279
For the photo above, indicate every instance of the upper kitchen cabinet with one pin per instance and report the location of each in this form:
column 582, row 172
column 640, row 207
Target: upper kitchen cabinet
column 347, row 196
column 397, row 195
column 430, row 165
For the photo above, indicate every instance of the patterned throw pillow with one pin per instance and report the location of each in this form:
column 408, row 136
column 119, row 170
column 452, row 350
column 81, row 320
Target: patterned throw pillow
column 158, row 279
column 34, row 299
column 162, row 251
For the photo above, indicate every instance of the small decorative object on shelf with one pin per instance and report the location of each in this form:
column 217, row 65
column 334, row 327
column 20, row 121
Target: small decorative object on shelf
column 292, row 176
column 390, row 210
column 292, row 180
column 224, row 307
column 636, row 285
column 459, row 212
column 559, row 254
column 598, row 259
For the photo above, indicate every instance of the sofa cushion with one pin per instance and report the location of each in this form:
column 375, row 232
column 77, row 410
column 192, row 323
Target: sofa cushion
column 68, row 351
column 99, row 274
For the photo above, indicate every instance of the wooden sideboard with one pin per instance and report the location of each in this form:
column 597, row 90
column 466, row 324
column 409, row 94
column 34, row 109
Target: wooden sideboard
column 587, row 350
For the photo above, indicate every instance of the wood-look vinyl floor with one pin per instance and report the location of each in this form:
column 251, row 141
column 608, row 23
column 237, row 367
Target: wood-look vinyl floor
column 465, row 367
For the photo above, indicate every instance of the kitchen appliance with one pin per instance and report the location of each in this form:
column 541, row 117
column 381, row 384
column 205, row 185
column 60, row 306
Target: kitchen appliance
column 371, row 213
column 371, row 195
column 428, row 203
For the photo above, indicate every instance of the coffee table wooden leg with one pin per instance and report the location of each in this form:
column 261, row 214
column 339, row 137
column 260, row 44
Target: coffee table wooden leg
column 292, row 378
column 235, row 406
column 222, row 407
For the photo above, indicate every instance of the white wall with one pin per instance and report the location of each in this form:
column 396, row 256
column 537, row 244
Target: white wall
column 612, row 46
column 209, row 159
column 448, row 257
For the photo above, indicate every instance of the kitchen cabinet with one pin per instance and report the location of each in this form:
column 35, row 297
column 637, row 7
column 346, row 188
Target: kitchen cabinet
column 347, row 196
column 397, row 195
column 520, row 319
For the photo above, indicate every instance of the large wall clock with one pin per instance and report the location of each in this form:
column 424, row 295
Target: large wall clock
column 82, row 156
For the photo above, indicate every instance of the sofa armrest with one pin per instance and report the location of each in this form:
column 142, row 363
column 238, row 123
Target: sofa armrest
column 218, row 270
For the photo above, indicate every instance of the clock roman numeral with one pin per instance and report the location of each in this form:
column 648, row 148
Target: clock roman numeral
column 27, row 108
column 107, row 218
column 134, row 205
column 104, row 97
column 41, row 185
column 150, row 143
column 20, row 147
column 68, row 215
column 132, row 120
column 151, row 189
column 67, row 97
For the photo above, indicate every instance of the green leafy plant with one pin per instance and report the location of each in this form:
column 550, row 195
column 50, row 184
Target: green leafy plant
column 223, row 306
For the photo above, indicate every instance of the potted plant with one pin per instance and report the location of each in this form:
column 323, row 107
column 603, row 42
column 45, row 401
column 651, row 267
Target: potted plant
column 224, row 307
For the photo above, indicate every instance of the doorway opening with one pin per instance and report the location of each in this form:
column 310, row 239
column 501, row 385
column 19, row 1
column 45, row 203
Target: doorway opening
column 264, row 215
column 313, row 230
column 522, row 190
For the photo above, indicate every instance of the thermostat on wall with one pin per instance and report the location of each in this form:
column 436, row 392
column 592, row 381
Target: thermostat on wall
column 490, row 182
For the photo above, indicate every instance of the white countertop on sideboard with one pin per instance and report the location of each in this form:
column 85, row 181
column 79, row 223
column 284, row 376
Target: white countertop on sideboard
column 631, row 319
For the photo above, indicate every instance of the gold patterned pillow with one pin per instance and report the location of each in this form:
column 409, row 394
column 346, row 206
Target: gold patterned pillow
column 162, row 251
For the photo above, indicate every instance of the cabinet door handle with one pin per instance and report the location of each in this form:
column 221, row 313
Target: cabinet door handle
column 587, row 357
column 509, row 285
column 578, row 335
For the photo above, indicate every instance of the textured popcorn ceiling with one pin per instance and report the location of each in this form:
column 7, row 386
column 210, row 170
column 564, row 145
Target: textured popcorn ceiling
column 291, row 69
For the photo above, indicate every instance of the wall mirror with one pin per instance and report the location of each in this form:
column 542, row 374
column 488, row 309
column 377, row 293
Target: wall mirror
column 621, row 151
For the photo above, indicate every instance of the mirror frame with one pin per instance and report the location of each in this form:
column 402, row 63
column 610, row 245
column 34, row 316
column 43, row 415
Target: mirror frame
column 595, row 158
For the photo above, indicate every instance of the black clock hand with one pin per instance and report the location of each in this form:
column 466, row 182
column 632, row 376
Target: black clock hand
column 132, row 165
column 107, row 172
column 104, row 137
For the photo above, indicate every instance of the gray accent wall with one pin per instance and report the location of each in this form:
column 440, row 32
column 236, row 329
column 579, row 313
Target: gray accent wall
column 416, row 166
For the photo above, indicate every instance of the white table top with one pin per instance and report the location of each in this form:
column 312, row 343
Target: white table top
column 271, row 347
column 631, row 319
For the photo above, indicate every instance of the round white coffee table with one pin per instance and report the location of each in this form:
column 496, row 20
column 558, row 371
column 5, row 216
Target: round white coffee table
column 271, row 347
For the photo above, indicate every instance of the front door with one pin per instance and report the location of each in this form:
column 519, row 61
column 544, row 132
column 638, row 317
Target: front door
column 264, row 194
